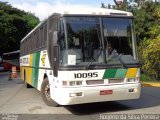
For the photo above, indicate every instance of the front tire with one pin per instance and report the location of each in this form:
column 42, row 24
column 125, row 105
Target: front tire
column 45, row 93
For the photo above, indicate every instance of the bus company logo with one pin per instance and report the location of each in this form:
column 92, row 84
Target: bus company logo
column 43, row 59
column 25, row 60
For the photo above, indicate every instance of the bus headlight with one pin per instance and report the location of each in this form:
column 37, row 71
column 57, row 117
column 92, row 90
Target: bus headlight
column 64, row 83
column 75, row 83
column 71, row 83
column 133, row 79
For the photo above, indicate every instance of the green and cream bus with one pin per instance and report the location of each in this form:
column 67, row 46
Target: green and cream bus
column 65, row 57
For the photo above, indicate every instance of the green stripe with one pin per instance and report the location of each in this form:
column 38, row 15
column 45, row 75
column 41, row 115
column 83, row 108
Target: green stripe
column 35, row 71
column 109, row 73
column 121, row 73
column 114, row 73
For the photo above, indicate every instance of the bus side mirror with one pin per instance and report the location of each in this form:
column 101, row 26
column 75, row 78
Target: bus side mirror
column 55, row 37
column 55, row 59
column 53, row 51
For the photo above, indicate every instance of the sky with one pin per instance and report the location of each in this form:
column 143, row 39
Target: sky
column 44, row 8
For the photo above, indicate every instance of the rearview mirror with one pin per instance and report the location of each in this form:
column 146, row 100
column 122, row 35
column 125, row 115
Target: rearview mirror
column 53, row 51
column 55, row 59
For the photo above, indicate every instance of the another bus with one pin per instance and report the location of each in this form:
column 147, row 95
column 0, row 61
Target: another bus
column 10, row 59
column 65, row 57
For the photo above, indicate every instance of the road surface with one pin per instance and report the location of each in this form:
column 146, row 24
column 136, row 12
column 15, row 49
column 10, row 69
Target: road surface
column 16, row 99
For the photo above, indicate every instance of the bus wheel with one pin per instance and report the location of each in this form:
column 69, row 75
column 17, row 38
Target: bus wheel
column 45, row 93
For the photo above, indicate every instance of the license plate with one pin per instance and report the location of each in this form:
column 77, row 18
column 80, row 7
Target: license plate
column 106, row 92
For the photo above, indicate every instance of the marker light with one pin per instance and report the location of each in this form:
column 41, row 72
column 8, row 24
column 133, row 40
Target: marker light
column 64, row 83
column 133, row 79
column 133, row 90
column 78, row 94
column 75, row 83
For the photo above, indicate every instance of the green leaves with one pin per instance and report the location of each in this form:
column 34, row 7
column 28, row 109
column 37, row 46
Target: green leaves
column 149, row 34
column 147, row 28
column 150, row 54
column 14, row 25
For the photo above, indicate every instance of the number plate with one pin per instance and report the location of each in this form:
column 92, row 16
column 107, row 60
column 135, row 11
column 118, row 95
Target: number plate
column 106, row 92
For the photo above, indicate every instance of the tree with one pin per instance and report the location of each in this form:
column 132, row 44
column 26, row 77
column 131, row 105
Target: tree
column 147, row 28
column 14, row 25
column 149, row 45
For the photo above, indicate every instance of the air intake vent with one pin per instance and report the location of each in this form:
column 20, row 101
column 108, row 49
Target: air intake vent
column 118, row 14
column 116, row 81
column 93, row 82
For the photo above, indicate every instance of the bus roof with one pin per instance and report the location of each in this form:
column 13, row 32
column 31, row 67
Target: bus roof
column 86, row 11
column 94, row 11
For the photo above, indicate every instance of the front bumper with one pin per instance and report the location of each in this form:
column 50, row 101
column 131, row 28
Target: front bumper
column 92, row 94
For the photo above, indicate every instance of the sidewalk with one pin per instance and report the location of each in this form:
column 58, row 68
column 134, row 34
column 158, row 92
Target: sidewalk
column 151, row 84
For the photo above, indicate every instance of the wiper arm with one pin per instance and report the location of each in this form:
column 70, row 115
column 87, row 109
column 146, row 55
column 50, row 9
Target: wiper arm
column 120, row 60
column 97, row 54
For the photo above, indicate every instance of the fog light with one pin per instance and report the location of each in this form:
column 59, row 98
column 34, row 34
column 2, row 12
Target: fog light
column 64, row 83
column 74, row 83
column 76, row 94
column 134, row 79
column 133, row 90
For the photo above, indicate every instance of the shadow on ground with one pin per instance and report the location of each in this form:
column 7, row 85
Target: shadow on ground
column 95, row 108
column 150, row 97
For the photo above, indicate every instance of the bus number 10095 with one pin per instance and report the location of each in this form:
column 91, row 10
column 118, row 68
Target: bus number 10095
column 86, row 75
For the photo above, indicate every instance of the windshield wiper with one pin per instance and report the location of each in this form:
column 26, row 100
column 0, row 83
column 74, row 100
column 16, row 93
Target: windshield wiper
column 93, row 59
column 98, row 52
column 120, row 60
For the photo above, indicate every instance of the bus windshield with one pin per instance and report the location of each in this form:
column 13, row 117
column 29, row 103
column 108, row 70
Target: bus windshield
column 99, row 40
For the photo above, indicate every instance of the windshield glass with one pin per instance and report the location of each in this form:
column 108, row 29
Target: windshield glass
column 96, row 40
column 83, row 40
column 118, row 39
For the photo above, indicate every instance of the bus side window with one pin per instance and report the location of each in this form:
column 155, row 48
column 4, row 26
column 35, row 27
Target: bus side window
column 45, row 35
column 33, row 42
column 62, row 35
column 52, row 41
column 29, row 43
column 41, row 36
column 53, row 27
column 38, row 40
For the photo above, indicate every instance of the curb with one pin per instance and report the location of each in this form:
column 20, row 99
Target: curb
column 150, row 84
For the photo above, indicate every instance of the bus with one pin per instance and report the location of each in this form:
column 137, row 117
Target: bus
column 65, row 57
column 10, row 59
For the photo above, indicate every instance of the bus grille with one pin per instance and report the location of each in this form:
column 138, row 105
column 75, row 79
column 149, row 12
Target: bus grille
column 93, row 82
column 116, row 81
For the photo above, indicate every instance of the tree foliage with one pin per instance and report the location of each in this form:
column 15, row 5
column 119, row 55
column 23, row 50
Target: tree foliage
column 150, row 55
column 147, row 28
column 14, row 25
column 149, row 47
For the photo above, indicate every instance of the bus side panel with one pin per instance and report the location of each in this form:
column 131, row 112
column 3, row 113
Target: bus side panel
column 28, row 75
column 35, row 69
column 35, row 65
column 29, row 70
column 44, row 69
column 21, row 73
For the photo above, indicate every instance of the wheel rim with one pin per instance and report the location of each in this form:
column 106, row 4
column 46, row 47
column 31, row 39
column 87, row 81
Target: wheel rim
column 47, row 91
